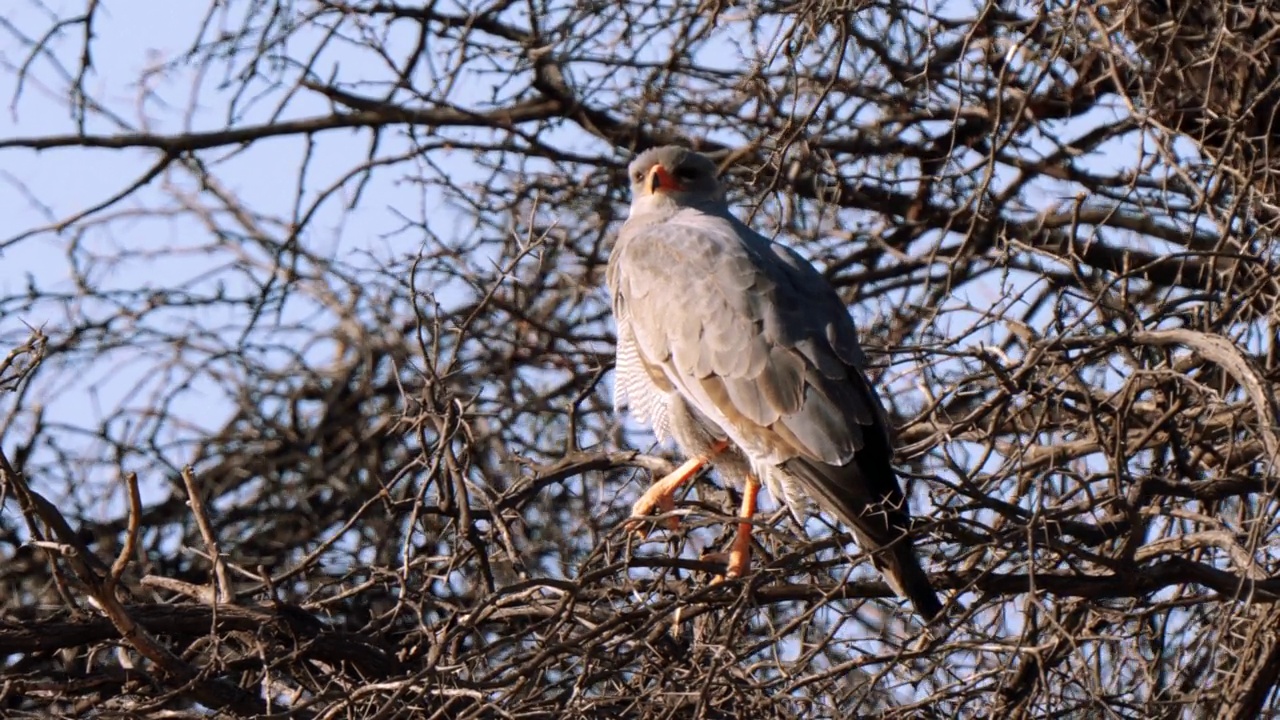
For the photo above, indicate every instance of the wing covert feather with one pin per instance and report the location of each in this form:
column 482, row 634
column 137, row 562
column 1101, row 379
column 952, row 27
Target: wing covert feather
column 750, row 334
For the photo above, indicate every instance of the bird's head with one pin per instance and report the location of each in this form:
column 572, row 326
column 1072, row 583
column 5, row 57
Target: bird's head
column 673, row 177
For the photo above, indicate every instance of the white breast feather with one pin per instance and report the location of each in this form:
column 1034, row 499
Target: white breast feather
column 634, row 390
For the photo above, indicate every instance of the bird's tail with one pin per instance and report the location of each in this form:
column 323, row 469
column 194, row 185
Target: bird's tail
column 876, row 512
column 901, row 569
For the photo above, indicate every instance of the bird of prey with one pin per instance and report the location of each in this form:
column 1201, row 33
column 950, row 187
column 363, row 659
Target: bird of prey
column 742, row 351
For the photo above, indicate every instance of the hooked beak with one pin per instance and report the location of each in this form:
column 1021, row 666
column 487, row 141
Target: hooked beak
column 660, row 180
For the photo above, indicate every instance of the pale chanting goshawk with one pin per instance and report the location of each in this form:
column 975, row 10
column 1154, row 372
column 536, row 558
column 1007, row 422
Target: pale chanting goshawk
column 739, row 349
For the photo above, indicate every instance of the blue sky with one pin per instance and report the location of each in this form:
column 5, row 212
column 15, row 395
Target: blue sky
column 141, row 75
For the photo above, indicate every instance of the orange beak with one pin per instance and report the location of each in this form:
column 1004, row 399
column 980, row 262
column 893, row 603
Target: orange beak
column 660, row 180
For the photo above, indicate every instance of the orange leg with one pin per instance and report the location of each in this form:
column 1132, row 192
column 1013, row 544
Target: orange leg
column 662, row 494
column 740, row 554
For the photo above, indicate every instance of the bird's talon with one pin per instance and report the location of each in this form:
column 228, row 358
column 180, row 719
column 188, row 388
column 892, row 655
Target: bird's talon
column 637, row 526
column 642, row 527
column 667, row 505
column 718, row 558
column 661, row 495
column 641, row 524
column 736, row 565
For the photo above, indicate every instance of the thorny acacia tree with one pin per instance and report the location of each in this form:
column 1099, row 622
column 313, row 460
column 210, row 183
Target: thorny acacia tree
column 389, row 377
